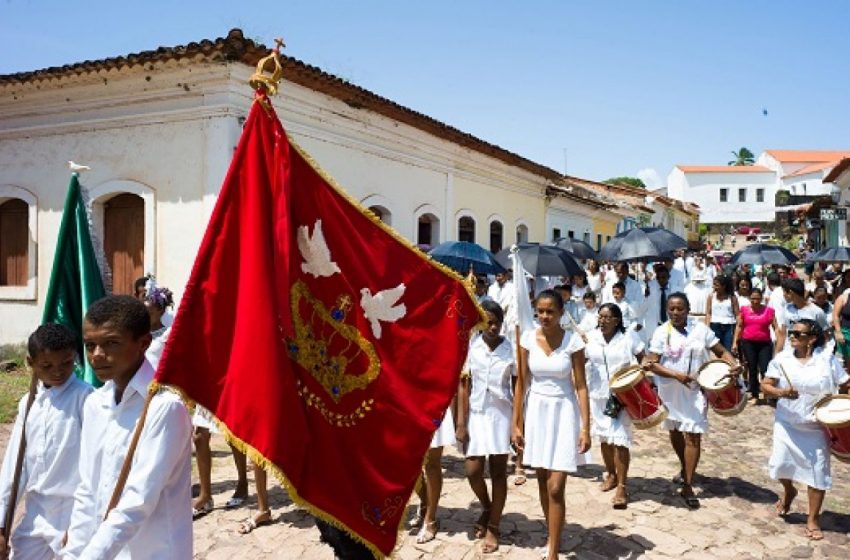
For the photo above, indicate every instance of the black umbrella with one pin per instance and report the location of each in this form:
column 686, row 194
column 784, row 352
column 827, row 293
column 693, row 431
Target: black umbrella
column 577, row 248
column 460, row 255
column 644, row 243
column 832, row 254
column 542, row 260
column 762, row 253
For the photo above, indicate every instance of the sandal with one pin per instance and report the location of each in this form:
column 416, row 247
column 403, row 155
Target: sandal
column 520, row 478
column 252, row 522
column 489, row 547
column 609, row 483
column 620, row 502
column 691, row 501
column 202, row 510
column 417, row 519
column 783, row 504
column 234, row 502
column 814, row 534
column 480, row 526
column 428, row 532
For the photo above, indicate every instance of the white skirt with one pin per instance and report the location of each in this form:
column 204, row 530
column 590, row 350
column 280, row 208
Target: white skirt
column 616, row 431
column 203, row 418
column 552, row 427
column 800, row 453
column 445, row 434
column 490, row 430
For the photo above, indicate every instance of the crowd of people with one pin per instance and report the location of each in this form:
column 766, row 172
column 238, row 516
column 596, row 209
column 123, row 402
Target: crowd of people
column 542, row 396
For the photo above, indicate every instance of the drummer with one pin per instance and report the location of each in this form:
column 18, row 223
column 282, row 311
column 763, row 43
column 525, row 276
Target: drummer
column 677, row 349
column 799, row 379
column 610, row 348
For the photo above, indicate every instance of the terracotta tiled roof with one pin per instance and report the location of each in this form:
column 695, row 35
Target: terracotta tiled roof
column 807, row 156
column 724, row 169
column 236, row 48
column 836, row 172
column 819, row 166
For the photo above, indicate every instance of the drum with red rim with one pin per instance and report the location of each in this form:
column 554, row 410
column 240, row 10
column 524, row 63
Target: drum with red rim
column 638, row 396
column 720, row 388
column 833, row 414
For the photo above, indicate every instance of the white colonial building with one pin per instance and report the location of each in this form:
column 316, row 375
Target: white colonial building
column 747, row 194
column 159, row 128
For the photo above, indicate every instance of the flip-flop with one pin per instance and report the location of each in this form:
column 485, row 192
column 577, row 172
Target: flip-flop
column 206, row 507
column 417, row 519
column 783, row 504
column 520, row 479
column 428, row 532
column 814, row 534
column 620, row 502
column 251, row 523
column 609, row 483
column 234, row 502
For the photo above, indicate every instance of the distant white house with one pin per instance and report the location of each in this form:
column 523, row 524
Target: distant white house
column 747, row 194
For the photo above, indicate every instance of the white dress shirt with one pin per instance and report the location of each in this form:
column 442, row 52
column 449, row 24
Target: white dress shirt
column 153, row 518
column 491, row 373
column 49, row 476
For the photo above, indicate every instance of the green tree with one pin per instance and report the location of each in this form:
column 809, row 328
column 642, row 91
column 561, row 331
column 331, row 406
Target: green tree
column 627, row 181
column 743, row 157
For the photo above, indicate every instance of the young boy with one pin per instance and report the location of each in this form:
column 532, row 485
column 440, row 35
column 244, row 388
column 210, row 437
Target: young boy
column 49, row 475
column 153, row 517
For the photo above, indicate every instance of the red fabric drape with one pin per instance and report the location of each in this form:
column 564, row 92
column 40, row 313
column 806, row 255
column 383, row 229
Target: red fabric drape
column 288, row 361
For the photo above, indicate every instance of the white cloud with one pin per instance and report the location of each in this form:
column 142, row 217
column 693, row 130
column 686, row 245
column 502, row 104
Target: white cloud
column 651, row 178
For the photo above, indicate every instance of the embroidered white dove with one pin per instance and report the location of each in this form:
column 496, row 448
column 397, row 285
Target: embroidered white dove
column 317, row 256
column 382, row 307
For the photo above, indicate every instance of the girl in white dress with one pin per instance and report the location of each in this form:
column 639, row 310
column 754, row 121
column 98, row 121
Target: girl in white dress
column 800, row 447
column 595, row 278
column 610, row 348
column 485, row 409
column 557, row 425
column 676, row 351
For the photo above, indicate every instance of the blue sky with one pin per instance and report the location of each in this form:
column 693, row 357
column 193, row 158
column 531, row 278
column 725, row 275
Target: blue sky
column 619, row 87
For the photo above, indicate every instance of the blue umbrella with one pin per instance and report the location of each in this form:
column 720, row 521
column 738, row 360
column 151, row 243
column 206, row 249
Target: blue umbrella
column 762, row 253
column 461, row 255
column 832, row 254
column 542, row 260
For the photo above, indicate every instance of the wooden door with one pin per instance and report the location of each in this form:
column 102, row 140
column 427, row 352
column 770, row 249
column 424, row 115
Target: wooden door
column 124, row 240
column 14, row 242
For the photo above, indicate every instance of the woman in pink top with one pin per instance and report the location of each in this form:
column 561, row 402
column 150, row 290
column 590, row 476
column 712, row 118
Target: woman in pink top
column 752, row 335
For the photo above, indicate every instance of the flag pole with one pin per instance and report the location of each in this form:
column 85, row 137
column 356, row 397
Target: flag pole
column 9, row 514
column 128, row 459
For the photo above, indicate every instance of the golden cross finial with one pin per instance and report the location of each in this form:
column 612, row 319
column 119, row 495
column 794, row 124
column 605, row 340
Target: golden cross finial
column 279, row 44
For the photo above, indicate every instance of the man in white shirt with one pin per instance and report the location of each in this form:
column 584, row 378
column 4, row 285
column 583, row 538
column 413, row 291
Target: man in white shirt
column 153, row 516
column 634, row 292
column 49, row 476
column 655, row 307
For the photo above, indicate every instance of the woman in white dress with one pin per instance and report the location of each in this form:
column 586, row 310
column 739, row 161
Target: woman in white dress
column 595, row 278
column 431, row 484
column 676, row 351
column 800, row 447
column 610, row 348
column 556, row 435
column 485, row 410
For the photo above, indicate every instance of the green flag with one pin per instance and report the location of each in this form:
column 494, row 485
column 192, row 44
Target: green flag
column 75, row 282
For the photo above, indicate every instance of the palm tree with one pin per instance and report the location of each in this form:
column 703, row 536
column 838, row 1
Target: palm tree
column 743, row 157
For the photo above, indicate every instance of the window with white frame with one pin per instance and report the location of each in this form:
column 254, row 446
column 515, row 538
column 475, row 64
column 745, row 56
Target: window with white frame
column 742, row 195
column 759, row 195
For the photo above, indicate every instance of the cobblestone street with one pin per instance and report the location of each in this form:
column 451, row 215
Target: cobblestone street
column 736, row 519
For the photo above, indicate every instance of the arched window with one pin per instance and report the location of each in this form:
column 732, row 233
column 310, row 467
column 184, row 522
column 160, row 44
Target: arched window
column 466, row 229
column 496, row 236
column 522, row 233
column 124, row 240
column 14, row 242
column 383, row 214
column 428, row 230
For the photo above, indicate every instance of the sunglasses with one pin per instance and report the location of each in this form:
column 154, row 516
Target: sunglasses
column 796, row 334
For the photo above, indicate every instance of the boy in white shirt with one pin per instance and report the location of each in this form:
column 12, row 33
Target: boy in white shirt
column 49, row 474
column 153, row 516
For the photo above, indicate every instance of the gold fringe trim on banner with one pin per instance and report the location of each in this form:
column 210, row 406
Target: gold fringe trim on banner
column 260, row 460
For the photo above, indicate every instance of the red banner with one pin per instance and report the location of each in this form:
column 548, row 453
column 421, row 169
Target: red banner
column 322, row 341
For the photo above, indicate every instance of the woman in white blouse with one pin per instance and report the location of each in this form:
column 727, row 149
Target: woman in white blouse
column 485, row 408
column 676, row 351
column 556, row 435
column 800, row 447
column 610, row 348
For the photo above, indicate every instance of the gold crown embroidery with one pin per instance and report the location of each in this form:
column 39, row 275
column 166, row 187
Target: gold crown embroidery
column 327, row 347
